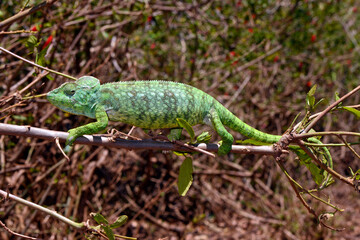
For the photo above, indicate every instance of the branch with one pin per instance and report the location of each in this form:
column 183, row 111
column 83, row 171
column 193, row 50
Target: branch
column 37, row 65
column 28, row 131
column 6, row 195
column 26, row 12
column 321, row 114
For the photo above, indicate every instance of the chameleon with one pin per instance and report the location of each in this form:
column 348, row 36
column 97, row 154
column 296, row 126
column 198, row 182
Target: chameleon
column 152, row 104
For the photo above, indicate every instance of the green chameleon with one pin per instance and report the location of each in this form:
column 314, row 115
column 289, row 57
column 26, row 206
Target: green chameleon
column 152, row 105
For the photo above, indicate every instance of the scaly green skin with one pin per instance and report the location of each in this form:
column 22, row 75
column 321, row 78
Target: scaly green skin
column 150, row 105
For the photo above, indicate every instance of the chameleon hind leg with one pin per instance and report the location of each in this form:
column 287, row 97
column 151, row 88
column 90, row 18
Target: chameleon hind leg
column 175, row 134
column 227, row 138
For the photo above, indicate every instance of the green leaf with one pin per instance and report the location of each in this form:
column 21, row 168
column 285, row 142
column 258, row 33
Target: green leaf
column 310, row 99
column 198, row 218
column 31, row 42
column 204, row 137
column 185, row 178
column 353, row 111
column 184, row 124
column 319, row 102
column 40, row 58
column 317, row 174
column 119, row 221
column 312, row 91
column 355, row 175
column 51, row 78
column 109, row 233
column 100, row 219
column 337, row 96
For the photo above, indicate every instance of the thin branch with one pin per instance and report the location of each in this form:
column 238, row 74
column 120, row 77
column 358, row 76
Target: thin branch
column 7, row 195
column 28, row 131
column 323, row 166
column 307, row 129
column 37, row 65
column 26, row 12
column 14, row 233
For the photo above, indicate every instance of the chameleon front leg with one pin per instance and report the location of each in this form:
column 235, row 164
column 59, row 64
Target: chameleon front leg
column 227, row 138
column 101, row 123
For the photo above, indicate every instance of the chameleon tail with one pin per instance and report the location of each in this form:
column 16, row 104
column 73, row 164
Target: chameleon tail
column 233, row 122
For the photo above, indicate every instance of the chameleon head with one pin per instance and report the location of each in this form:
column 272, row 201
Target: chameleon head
column 77, row 97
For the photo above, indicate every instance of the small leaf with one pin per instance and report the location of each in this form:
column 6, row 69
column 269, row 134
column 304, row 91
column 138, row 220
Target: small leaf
column 317, row 174
column 312, row 91
column 109, row 233
column 184, row 124
column 40, row 58
column 32, row 42
column 310, row 101
column 319, row 102
column 353, row 111
column 204, row 137
column 100, row 219
column 119, row 221
column 51, row 78
column 198, row 218
column 337, row 96
column 185, row 178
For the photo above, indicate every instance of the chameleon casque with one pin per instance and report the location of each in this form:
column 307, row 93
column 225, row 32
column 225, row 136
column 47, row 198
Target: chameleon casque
column 151, row 104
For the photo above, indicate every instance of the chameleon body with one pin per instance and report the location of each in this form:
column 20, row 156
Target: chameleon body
column 149, row 105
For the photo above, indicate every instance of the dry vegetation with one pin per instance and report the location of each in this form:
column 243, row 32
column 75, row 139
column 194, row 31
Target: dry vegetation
column 257, row 57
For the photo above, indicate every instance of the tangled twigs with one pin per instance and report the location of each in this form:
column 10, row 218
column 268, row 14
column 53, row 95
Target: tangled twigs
column 307, row 129
column 322, row 165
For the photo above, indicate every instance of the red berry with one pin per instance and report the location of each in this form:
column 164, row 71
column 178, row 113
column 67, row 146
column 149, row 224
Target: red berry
column 250, row 30
column 48, row 41
column 232, row 53
column 313, row 38
column 276, row 58
column 308, row 84
column 152, row 46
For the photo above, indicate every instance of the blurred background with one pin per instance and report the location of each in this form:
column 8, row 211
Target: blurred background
column 257, row 57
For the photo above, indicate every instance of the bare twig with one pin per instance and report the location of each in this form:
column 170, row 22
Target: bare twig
column 14, row 233
column 37, row 65
column 26, row 12
column 40, row 208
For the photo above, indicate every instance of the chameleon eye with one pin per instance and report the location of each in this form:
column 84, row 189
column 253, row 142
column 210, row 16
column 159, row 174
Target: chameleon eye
column 69, row 90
